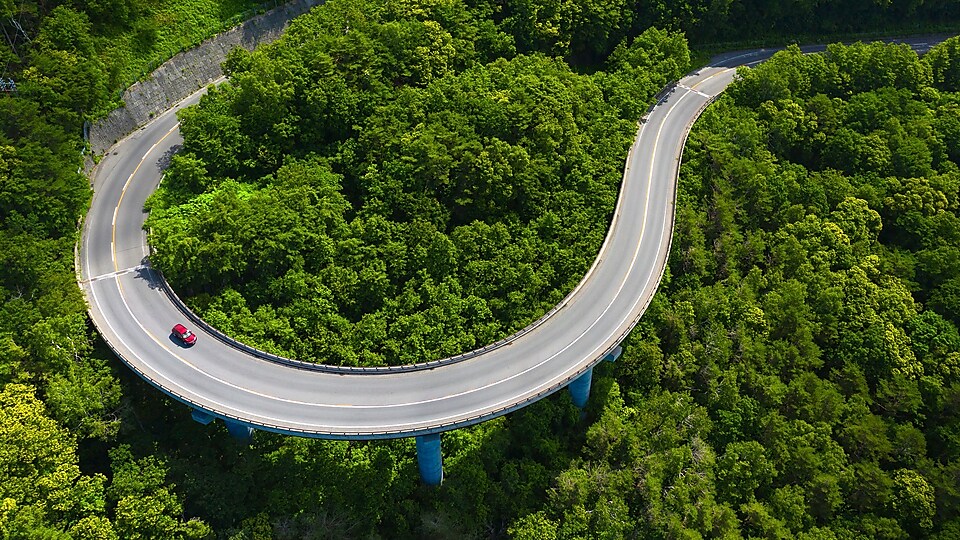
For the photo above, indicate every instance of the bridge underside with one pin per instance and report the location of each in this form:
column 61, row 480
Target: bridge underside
column 429, row 454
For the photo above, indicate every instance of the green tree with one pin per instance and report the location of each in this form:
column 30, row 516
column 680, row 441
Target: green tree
column 944, row 61
column 65, row 74
column 41, row 487
column 742, row 470
column 145, row 506
column 534, row 527
column 913, row 500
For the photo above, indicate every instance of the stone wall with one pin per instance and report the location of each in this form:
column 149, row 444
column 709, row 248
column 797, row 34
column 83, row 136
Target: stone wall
column 187, row 72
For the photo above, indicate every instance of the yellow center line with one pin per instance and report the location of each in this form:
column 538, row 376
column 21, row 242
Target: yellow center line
column 694, row 87
column 116, row 211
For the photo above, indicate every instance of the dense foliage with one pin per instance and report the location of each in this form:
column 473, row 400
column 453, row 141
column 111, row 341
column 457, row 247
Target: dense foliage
column 444, row 199
column 75, row 56
column 588, row 29
column 796, row 376
column 68, row 61
column 788, row 380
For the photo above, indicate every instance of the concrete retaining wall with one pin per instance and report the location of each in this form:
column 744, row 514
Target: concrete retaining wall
column 188, row 71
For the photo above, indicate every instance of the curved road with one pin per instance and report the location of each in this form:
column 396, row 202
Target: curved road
column 134, row 314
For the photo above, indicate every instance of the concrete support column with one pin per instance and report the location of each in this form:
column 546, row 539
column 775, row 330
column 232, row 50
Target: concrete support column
column 239, row 430
column 580, row 388
column 429, row 459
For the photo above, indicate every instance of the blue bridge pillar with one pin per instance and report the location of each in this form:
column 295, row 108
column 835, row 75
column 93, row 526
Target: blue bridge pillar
column 202, row 417
column 580, row 387
column 429, row 459
column 237, row 429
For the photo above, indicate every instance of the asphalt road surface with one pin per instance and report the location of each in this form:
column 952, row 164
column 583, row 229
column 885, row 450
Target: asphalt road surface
column 135, row 316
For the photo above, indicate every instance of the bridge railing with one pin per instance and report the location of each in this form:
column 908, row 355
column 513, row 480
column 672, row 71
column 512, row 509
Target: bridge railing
column 326, row 368
column 611, row 345
column 350, row 435
column 300, row 364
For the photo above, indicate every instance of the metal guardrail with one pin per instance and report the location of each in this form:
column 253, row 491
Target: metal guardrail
column 421, row 366
column 343, row 370
column 474, row 419
column 353, row 435
column 374, row 370
column 330, row 434
column 446, row 426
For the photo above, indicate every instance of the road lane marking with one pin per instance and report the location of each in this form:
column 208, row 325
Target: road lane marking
column 115, row 273
column 685, row 87
column 472, row 390
column 496, row 405
column 113, row 235
column 717, row 74
column 488, row 408
column 449, row 396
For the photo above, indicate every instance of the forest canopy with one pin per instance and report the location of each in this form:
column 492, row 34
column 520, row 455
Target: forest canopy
column 805, row 326
column 405, row 190
column 795, row 377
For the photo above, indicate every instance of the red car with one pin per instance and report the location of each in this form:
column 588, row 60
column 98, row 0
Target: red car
column 184, row 335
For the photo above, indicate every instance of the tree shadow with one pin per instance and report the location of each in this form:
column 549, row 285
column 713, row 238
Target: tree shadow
column 147, row 273
column 164, row 162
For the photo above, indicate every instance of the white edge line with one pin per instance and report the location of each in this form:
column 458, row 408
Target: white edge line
column 494, row 406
